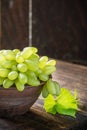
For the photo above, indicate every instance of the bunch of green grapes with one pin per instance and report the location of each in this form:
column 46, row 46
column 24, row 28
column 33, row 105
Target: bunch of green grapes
column 27, row 67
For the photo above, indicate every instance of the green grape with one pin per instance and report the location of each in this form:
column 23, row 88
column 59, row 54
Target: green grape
column 23, row 78
column 4, row 72
column 13, row 75
column 33, row 82
column 31, row 74
column 49, row 69
column 45, row 91
column 8, row 63
column 19, row 58
column 7, row 83
column 34, row 49
column 34, row 57
column 42, row 61
column 32, row 65
column 51, row 87
column 26, row 53
column 1, row 80
column 2, row 58
column 43, row 77
column 51, row 63
column 16, row 51
column 9, row 54
column 22, row 67
column 14, row 68
column 32, row 78
column 19, row 85
column 38, row 71
column 57, row 87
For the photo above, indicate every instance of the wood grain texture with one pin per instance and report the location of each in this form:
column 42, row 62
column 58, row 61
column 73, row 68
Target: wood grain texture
column 60, row 29
column 14, row 22
column 70, row 76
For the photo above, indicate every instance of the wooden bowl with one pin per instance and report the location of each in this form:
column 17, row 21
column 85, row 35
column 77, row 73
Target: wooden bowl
column 13, row 102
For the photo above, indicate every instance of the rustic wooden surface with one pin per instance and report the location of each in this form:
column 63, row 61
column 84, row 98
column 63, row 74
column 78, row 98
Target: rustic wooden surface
column 14, row 24
column 61, row 25
column 68, row 75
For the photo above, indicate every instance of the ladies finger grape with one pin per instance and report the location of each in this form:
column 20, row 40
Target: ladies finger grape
column 22, row 78
column 57, row 87
column 38, row 71
column 19, row 58
column 8, row 64
column 51, row 62
column 19, row 85
column 32, row 65
column 31, row 74
column 45, row 91
column 7, row 83
column 28, row 51
column 49, row 69
column 34, row 49
column 43, row 77
column 9, row 54
column 34, row 57
column 42, row 61
column 13, row 75
column 51, row 87
column 22, row 67
column 33, row 82
column 4, row 72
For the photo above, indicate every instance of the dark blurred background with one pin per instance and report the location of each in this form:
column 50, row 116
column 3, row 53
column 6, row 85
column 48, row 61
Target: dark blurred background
column 59, row 27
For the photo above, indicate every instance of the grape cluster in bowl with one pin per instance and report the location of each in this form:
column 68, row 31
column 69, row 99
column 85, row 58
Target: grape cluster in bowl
column 21, row 68
column 25, row 67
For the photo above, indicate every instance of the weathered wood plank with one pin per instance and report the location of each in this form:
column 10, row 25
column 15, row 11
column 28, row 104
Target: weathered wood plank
column 59, row 122
column 14, row 24
column 60, row 29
